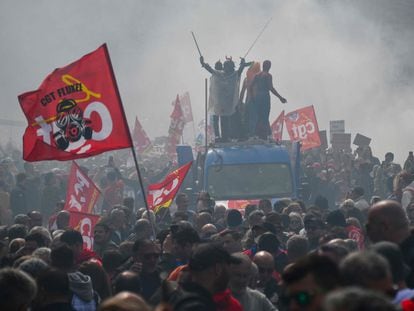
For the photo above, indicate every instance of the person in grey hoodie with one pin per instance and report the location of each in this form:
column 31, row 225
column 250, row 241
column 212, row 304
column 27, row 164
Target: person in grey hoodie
column 84, row 297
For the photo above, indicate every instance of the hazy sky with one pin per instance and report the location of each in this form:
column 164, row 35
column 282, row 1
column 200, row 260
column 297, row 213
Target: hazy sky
column 351, row 59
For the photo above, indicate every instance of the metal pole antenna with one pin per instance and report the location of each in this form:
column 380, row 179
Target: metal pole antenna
column 257, row 38
column 195, row 41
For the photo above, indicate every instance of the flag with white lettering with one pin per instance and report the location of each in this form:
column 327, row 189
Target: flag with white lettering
column 302, row 126
column 277, row 127
column 81, row 194
column 162, row 194
column 76, row 112
column 85, row 224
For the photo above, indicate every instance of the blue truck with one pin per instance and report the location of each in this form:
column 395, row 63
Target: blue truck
column 236, row 174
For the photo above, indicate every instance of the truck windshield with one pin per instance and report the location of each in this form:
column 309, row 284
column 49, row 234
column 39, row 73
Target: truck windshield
column 249, row 181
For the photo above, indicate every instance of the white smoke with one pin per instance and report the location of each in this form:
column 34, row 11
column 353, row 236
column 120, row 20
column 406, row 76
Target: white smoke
column 350, row 59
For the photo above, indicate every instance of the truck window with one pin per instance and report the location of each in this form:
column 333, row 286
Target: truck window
column 249, row 181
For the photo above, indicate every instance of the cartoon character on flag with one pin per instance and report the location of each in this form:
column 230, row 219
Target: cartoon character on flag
column 162, row 194
column 76, row 112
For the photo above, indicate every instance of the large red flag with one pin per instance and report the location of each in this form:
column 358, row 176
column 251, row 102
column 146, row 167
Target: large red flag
column 277, row 127
column 141, row 140
column 76, row 112
column 175, row 130
column 302, row 126
column 185, row 103
column 85, row 224
column 163, row 193
column 81, row 194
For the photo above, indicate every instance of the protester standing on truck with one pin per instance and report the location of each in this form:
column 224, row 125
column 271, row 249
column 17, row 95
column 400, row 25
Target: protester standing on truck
column 261, row 86
column 250, row 111
column 225, row 96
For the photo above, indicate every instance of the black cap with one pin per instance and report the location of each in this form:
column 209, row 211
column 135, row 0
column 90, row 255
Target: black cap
column 208, row 254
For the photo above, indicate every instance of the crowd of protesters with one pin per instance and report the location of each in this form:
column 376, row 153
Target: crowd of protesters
column 347, row 245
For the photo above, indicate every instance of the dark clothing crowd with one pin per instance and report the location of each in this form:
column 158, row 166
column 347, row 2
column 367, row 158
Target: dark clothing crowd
column 347, row 244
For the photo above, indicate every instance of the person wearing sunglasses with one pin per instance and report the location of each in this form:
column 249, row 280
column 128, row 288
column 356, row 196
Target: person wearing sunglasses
column 307, row 281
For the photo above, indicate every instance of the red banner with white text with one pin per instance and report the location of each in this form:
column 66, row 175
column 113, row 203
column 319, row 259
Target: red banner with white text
column 175, row 131
column 85, row 224
column 76, row 112
column 302, row 126
column 81, row 194
column 162, row 194
column 277, row 127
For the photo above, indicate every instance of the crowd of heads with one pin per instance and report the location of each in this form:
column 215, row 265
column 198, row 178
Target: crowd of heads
column 347, row 245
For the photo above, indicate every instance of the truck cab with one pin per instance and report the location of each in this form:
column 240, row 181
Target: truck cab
column 238, row 174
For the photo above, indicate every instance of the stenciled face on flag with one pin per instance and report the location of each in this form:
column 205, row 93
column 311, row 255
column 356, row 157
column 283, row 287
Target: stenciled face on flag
column 75, row 113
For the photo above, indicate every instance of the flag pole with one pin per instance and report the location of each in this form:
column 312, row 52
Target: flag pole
column 205, row 118
column 130, row 139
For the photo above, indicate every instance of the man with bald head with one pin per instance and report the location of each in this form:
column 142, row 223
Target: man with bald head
column 267, row 284
column 387, row 221
column 240, row 275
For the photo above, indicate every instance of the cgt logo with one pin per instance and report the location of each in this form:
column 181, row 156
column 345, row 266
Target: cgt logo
column 302, row 131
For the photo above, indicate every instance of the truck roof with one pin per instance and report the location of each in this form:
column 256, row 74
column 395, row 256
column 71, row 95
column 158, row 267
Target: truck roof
column 245, row 152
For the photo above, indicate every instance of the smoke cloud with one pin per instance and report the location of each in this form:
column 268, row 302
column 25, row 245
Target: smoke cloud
column 351, row 59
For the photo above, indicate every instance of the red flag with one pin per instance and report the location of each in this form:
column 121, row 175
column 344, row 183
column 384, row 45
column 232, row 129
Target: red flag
column 277, row 127
column 141, row 141
column 185, row 103
column 302, row 126
column 176, row 128
column 82, row 194
column 163, row 193
column 76, row 112
column 85, row 224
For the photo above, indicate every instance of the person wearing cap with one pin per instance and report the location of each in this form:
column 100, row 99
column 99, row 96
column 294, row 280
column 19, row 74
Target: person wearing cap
column 209, row 267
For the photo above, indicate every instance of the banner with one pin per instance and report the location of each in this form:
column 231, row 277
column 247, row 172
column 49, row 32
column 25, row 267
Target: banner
column 76, row 112
column 277, row 127
column 85, row 224
column 81, row 194
column 175, row 130
column 163, row 193
column 185, row 103
column 302, row 126
column 141, row 141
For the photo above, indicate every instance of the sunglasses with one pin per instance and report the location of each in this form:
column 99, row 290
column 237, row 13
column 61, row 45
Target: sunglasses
column 302, row 299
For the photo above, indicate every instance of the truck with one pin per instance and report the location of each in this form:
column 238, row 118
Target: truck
column 237, row 174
